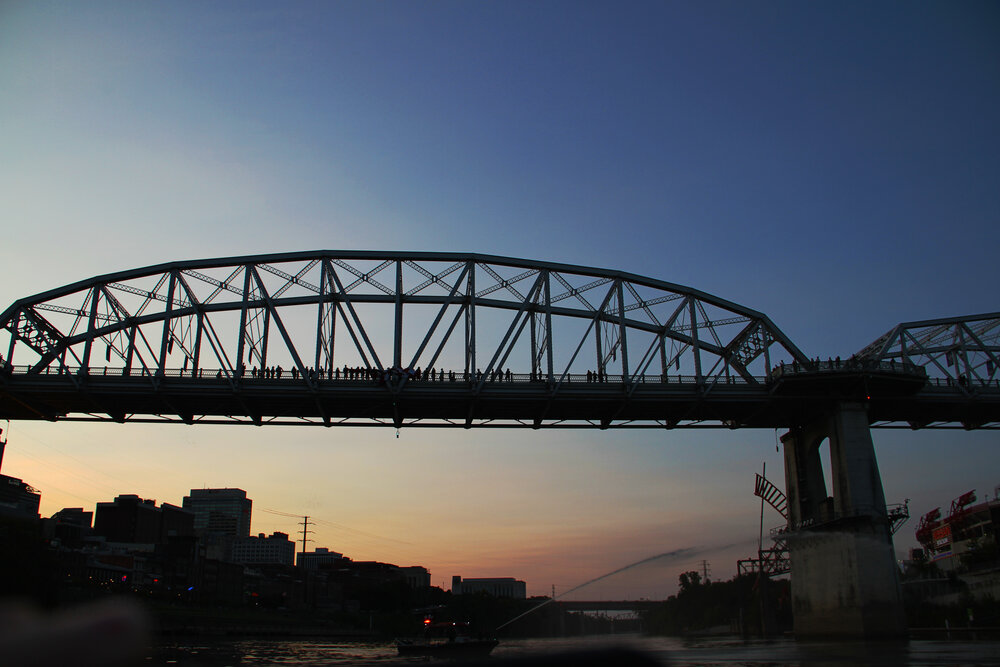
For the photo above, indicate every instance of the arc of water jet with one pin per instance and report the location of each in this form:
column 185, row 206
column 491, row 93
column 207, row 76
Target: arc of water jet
column 687, row 551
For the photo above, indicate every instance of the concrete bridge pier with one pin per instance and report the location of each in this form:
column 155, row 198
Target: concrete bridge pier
column 844, row 577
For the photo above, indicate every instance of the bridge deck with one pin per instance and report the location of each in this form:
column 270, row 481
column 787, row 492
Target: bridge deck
column 513, row 400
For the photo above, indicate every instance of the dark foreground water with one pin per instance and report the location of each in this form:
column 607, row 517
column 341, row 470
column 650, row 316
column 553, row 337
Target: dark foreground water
column 665, row 650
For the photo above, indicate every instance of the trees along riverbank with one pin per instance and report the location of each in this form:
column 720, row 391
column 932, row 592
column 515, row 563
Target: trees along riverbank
column 747, row 605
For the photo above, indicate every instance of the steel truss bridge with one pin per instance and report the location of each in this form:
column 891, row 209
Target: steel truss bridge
column 464, row 340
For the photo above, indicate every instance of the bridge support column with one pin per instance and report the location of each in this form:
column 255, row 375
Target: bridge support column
column 844, row 576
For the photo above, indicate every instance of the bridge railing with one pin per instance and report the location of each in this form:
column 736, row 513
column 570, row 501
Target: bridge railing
column 963, row 382
column 365, row 375
column 852, row 365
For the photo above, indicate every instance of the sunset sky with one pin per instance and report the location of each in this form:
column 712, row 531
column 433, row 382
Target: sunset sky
column 833, row 165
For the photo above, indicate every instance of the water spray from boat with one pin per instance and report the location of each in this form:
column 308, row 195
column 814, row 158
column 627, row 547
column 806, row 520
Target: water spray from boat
column 686, row 552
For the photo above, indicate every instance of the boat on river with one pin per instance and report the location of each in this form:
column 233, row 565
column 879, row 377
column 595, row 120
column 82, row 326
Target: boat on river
column 447, row 640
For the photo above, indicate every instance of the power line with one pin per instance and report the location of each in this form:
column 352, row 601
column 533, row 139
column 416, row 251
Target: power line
column 270, row 511
column 337, row 526
column 360, row 532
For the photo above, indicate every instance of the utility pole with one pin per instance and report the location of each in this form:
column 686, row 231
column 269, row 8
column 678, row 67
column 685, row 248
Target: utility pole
column 305, row 532
column 704, row 571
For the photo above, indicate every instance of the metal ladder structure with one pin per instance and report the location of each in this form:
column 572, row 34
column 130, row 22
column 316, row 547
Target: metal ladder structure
column 772, row 561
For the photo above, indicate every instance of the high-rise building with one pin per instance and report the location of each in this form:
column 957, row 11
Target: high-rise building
column 220, row 511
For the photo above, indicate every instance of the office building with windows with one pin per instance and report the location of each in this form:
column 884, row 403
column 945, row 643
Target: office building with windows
column 274, row 549
column 501, row 587
column 220, row 511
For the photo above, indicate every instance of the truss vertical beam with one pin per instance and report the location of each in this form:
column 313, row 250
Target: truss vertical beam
column 264, row 337
column 601, row 368
column 397, row 341
column 534, row 343
column 695, row 344
column 199, row 331
column 767, row 351
column 623, row 332
column 470, row 325
column 244, row 315
column 663, row 356
column 321, row 317
column 91, row 326
column 326, row 323
column 168, row 319
column 13, row 335
column 130, row 355
column 548, row 328
column 969, row 370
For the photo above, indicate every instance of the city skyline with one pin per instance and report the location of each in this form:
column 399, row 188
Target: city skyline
column 831, row 167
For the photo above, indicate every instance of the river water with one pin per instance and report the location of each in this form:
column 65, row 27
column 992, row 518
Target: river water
column 665, row 650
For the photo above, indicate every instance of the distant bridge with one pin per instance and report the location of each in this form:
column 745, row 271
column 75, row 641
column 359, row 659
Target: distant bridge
column 461, row 340
column 607, row 605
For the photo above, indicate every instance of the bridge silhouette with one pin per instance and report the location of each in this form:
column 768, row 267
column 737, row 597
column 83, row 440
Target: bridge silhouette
column 458, row 340
column 607, row 605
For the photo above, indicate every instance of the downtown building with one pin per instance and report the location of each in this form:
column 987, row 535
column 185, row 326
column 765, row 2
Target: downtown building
column 134, row 520
column 499, row 587
column 18, row 499
column 321, row 558
column 223, row 512
column 274, row 549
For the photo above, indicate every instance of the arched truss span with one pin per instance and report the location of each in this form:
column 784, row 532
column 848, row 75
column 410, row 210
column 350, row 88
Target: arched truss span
column 149, row 319
column 334, row 316
column 958, row 352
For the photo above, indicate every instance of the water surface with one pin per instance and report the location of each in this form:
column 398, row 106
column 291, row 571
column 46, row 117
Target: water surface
column 667, row 650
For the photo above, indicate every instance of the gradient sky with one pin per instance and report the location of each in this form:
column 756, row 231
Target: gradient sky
column 835, row 165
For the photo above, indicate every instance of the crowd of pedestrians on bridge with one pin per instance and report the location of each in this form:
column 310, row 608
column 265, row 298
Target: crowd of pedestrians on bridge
column 396, row 373
column 834, row 364
column 366, row 373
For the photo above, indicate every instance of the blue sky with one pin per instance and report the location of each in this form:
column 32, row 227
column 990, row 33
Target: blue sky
column 834, row 165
